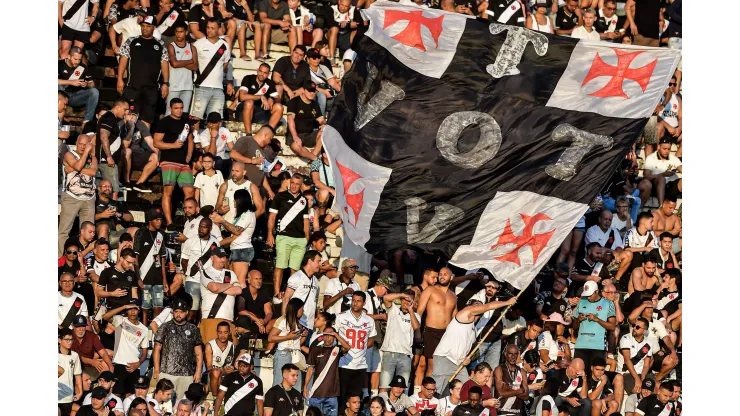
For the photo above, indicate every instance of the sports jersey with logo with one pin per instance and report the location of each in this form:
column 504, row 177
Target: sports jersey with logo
column 242, row 393
column 222, row 357
column 198, row 253
column 211, row 59
column 638, row 351
column 399, row 334
column 72, row 367
column 336, row 286
column 130, row 337
column 216, row 305
column 307, row 290
column 424, row 404
column 75, row 303
column 149, row 250
column 357, row 331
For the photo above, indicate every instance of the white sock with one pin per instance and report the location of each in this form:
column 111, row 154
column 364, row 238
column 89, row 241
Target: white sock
column 364, row 393
column 373, row 392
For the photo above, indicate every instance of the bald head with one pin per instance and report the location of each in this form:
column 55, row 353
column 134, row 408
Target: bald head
column 577, row 364
column 254, row 278
column 605, row 220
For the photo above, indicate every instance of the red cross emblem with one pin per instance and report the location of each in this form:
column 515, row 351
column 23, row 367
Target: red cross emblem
column 574, row 383
column 251, row 384
column 223, row 136
column 645, row 349
column 220, row 51
column 532, row 376
column 187, row 52
column 518, row 378
column 78, row 74
column 172, row 16
column 672, row 296
column 513, row 7
column 78, row 304
column 138, row 333
column 411, row 35
column 619, row 73
column 675, row 106
column 354, row 201
column 334, row 353
column 536, row 242
column 598, row 308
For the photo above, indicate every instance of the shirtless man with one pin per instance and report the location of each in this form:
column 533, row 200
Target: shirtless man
column 645, row 277
column 665, row 221
column 440, row 304
column 429, row 278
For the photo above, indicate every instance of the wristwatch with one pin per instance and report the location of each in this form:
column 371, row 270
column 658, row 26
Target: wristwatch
column 166, row 83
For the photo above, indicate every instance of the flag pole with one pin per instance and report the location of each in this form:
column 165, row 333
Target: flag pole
column 460, row 367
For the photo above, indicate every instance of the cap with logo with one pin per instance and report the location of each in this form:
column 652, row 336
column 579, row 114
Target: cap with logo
column 132, row 107
column 398, row 381
column 181, row 305
column 218, row 251
column 148, row 20
column 350, row 263
column 79, row 321
column 246, row 358
column 135, row 301
column 648, row 384
column 99, row 393
column 543, row 3
column 141, row 383
column 154, row 213
column 213, row 117
column 309, row 86
column 313, row 53
column 589, row 288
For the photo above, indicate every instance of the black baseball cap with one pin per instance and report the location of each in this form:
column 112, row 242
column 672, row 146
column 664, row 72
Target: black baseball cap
column 313, row 53
column 132, row 107
column 648, row 384
column 154, row 213
column 398, row 381
column 135, row 301
column 195, row 391
column 213, row 117
column 309, row 86
column 462, row 2
column 141, row 382
column 79, row 321
column 218, row 251
column 107, row 376
column 181, row 305
column 99, row 393
column 665, row 140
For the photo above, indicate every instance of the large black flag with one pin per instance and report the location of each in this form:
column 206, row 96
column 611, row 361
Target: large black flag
column 482, row 141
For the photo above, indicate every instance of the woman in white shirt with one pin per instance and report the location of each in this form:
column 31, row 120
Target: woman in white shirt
column 539, row 20
column 546, row 402
column 241, row 231
column 289, row 336
column 449, row 403
column 550, row 339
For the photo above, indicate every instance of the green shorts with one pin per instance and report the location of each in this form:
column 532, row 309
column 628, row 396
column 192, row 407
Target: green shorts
column 290, row 251
column 176, row 174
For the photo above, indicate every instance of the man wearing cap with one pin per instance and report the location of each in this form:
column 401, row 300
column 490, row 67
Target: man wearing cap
column 219, row 288
column 458, row 339
column 327, row 84
column 396, row 400
column 143, row 59
column 548, row 302
column 69, row 383
column 647, row 388
column 214, row 55
column 338, row 292
column 141, row 389
column 241, row 391
column 259, row 100
column 131, row 337
column 150, row 255
column 304, row 122
column 96, row 404
column 253, row 150
column 86, row 344
column 593, row 316
column 396, row 347
column 107, row 381
column 178, row 352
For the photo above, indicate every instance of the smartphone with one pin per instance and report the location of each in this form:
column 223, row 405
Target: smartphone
column 225, row 202
column 65, row 128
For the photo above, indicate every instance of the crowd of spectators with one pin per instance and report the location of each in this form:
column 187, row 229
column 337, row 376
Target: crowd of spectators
column 175, row 315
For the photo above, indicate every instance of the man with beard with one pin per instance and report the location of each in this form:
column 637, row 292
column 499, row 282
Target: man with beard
column 592, row 267
column 457, row 340
column 511, row 384
column 490, row 349
column 661, row 341
column 225, row 201
column 178, row 353
column 429, row 278
column 644, row 277
column 439, row 303
column 118, row 284
column 86, row 344
column 109, row 213
column 594, row 315
column 195, row 253
column 241, row 390
column 555, row 301
column 193, row 215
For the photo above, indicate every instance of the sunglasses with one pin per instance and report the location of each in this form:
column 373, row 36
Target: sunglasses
column 671, row 84
column 71, row 252
column 639, row 327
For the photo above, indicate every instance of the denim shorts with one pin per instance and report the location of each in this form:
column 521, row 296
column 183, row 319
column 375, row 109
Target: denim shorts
column 193, row 289
column 153, row 297
column 242, row 254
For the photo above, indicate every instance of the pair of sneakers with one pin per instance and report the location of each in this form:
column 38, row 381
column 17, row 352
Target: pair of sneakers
column 139, row 187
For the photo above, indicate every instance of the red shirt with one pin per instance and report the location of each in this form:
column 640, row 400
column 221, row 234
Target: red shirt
column 89, row 345
column 487, row 394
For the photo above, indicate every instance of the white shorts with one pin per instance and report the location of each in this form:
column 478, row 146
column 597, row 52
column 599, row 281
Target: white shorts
column 374, row 359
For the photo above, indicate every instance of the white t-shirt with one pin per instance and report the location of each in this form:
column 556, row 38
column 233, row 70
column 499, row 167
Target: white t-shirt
column 127, row 402
column 65, row 303
column 634, row 239
column 66, row 382
column 192, row 250
column 293, row 344
column 357, row 332
column 424, row 404
column 595, row 233
column 334, row 287
column 247, row 221
column 545, row 342
column 160, row 408
column 657, row 166
column 129, row 339
column 208, row 298
column 223, row 137
column 130, row 28
column 581, row 33
column 208, row 186
column 306, row 290
column 77, row 22
column 119, row 403
column 656, row 331
column 446, row 405
column 206, row 51
column 191, row 229
column 399, row 334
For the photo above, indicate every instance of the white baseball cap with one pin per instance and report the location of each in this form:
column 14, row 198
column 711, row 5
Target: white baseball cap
column 589, row 288
column 246, row 358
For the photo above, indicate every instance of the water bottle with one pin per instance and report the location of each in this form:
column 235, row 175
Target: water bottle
column 184, row 134
column 310, row 22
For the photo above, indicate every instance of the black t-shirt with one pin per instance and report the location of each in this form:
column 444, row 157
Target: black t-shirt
column 254, row 87
column 74, row 269
column 292, row 77
column 507, row 12
column 172, row 129
column 179, row 18
column 247, row 403
column 651, row 406
column 520, row 340
column 101, row 206
column 279, row 13
column 112, row 279
column 86, row 410
column 669, row 301
column 465, row 409
column 110, row 123
column 565, row 22
column 144, row 64
column 197, row 15
column 568, row 387
column 255, row 305
column 282, row 203
column 65, row 72
column 306, row 114
column 608, row 387
column 553, row 304
column 662, row 263
column 236, row 9
column 150, row 271
column 283, row 402
column 582, row 268
column 647, row 16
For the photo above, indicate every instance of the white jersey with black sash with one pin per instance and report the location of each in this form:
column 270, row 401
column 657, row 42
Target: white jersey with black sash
column 74, row 14
column 198, row 253
column 211, row 59
column 222, row 357
column 69, row 307
column 216, row 305
column 638, row 351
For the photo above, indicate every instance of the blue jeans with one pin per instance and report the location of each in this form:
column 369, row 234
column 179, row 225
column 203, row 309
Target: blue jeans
column 87, row 97
column 327, row 405
column 186, row 97
column 566, row 409
column 611, row 205
column 208, row 100
column 490, row 352
column 324, row 103
column 281, row 358
column 393, row 364
column 153, row 297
